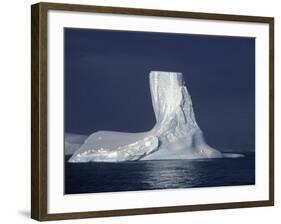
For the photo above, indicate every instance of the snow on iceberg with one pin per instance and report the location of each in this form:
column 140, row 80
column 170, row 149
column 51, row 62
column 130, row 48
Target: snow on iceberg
column 176, row 135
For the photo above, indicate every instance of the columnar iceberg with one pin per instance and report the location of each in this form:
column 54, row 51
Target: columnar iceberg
column 176, row 135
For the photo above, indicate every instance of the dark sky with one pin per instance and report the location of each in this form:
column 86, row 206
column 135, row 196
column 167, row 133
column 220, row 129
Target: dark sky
column 107, row 82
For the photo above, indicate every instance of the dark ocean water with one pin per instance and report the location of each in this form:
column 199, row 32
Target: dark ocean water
column 161, row 174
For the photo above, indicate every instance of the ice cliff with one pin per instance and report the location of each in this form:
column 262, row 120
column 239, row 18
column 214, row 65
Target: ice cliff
column 176, row 135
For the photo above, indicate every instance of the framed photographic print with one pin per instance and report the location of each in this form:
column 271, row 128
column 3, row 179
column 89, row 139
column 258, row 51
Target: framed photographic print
column 139, row 111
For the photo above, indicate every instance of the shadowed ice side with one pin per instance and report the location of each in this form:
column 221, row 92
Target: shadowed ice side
column 176, row 135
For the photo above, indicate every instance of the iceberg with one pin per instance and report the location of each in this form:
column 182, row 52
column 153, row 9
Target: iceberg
column 176, row 134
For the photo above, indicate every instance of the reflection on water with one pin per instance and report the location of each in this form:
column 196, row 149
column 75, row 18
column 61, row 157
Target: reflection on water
column 165, row 174
column 168, row 174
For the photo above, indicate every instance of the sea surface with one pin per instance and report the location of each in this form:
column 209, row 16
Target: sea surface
column 159, row 174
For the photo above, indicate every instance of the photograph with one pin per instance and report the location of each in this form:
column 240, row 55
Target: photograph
column 145, row 111
column 140, row 112
column 157, row 110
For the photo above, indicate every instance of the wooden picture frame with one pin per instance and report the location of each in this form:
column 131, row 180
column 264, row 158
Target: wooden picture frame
column 39, row 110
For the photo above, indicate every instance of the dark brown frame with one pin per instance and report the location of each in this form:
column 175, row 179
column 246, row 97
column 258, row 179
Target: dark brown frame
column 39, row 110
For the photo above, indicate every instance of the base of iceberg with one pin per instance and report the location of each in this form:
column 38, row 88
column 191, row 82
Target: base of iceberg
column 176, row 135
column 106, row 146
